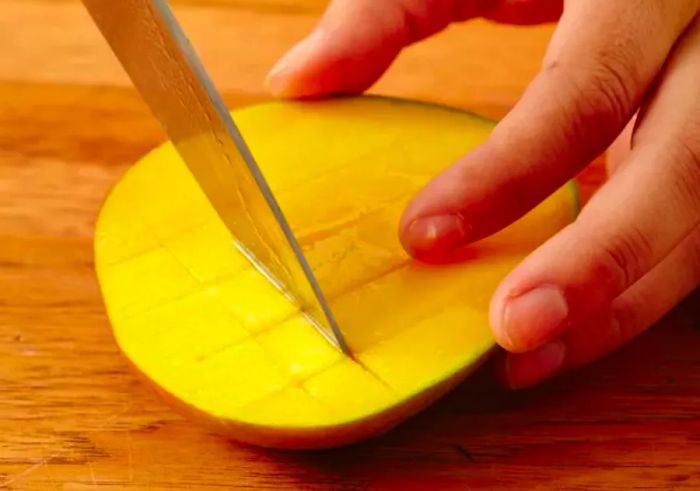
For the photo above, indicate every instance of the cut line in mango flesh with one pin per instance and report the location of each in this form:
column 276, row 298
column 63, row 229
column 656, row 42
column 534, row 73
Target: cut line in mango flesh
column 216, row 338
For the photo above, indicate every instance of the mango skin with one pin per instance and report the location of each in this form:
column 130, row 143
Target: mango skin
column 217, row 340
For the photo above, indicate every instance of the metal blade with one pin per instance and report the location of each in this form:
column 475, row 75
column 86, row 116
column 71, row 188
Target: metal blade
column 163, row 66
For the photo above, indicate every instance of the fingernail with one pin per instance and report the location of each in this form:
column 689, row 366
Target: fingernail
column 435, row 234
column 526, row 369
column 534, row 317
column 277, row 78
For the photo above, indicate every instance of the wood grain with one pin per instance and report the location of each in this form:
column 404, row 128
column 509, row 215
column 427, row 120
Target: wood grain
column 72, row 416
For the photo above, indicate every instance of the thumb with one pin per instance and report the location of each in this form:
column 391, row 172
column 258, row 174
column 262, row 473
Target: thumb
column 357, row 40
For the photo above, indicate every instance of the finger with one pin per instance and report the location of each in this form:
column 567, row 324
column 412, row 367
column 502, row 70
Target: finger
column 636, row 219
column 631, row 313
column 601, row 61
column 523, row 12
column 357, row 40
column 620, row 149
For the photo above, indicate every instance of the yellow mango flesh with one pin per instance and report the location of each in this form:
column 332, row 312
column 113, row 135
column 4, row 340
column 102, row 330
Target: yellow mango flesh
column 211, row 333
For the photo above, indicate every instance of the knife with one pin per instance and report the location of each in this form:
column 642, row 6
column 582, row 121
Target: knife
column 153, row 49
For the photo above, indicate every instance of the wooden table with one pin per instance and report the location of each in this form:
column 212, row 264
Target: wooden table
column 73, row 417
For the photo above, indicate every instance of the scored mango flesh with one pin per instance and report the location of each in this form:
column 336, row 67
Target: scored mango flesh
column 195, row 317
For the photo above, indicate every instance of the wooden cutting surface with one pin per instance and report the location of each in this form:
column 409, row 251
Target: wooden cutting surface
column 72, row 416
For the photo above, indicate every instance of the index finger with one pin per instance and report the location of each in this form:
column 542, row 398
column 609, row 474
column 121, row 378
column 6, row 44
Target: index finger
column 357, row 40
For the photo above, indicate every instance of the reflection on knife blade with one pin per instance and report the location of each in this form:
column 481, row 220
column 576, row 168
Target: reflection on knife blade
column 154, row 51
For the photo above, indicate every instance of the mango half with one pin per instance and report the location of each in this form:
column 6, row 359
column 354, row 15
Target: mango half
column 215, row 337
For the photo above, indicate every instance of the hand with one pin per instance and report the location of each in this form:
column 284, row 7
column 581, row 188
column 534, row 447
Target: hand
column 634, row 251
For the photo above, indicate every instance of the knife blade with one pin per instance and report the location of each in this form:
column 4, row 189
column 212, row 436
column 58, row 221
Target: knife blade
column 160, row 61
